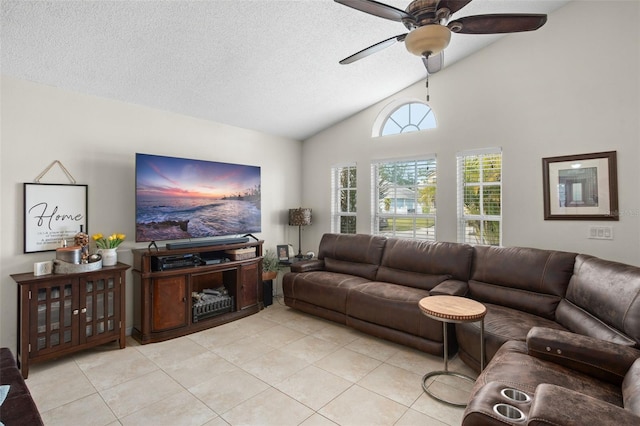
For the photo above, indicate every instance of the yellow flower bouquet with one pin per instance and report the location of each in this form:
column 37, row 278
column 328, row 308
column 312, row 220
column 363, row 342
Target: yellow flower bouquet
column 112, row 241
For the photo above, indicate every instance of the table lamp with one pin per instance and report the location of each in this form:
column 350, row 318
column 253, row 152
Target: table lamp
column 299, row 217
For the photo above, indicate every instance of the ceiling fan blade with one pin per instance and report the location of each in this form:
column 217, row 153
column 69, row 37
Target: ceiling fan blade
column 377, row 9
column 497, row 23
column 453, row 5
column 434, row 63
column 373, row 49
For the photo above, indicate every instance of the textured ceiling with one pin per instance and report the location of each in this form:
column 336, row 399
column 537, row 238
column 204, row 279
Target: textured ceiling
column 266, row 65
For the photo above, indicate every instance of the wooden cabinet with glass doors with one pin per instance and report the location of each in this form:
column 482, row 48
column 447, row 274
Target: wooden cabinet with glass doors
column 61, row 314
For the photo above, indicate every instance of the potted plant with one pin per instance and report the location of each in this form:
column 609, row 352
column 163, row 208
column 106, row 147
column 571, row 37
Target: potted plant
column 270, row 265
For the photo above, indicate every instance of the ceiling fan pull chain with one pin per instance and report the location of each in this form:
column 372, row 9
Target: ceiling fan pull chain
column 427, row 86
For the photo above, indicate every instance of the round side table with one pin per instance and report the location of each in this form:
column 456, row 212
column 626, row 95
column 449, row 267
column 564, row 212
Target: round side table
column 452, row 309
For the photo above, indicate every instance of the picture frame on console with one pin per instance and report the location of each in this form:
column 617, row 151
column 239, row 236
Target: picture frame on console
column 581, row 187
column 53, row 213
column 283, row 252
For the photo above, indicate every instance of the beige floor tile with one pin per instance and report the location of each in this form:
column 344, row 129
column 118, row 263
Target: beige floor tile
column 395, row 383
column 172, row 352
column 445, row 413
column 136, row 394
column 338, row 334
column 77, row 412
column 218, row 336
column 348, row 364
column 274, row 366
column 412, row 418
column 314, row 387
column 254, row 324
column 318, row 420
column 358, row 406
column 228, row 390
column 415, row 361
column 310, row 349
column 181, row 408
column 278, row 336
column 270, row 407
column 103, row 354
column 218, row 421
column 198, row 369
column 373, row 347
column 109, row 368
column 57, row 383
column 306, row 323
column 242, row 351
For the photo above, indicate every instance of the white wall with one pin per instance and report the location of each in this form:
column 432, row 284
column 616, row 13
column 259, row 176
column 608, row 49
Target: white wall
column 96, row 140
column 572, row 87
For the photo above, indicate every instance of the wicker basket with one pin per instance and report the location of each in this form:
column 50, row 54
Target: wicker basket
column 241, row 254
column 62, row 267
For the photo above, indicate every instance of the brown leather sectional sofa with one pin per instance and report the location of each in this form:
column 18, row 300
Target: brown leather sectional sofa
column 18, row 408
column 547, row 313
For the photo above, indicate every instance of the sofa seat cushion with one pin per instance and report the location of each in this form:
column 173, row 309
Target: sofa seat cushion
column 513, row 367
column 394, row 306
column 501, row 324
column 321, row 288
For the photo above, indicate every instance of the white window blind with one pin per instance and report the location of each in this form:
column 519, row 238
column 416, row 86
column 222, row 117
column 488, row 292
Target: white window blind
column 344, row 196
column 480, row 196
column 404, row 198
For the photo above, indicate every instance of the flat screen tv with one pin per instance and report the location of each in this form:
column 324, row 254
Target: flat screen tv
column 180, row 198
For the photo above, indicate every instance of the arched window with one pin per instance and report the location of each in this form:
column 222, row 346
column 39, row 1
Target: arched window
column 404, row 117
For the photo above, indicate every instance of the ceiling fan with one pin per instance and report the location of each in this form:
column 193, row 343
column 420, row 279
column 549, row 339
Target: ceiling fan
column 430, row 30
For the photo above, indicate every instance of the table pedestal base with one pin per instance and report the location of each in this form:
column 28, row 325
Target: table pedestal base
column 444, row 373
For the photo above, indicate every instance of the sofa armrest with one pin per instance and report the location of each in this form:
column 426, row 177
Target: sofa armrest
column 555, row 405
column 308, row 266
column 598, row 358
column 450, row 288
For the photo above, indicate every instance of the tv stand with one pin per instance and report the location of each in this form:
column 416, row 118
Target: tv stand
column 207, row 243
column 172, row 303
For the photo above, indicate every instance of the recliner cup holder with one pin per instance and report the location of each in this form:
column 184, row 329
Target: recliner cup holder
column 515, row 395
column 509, row 412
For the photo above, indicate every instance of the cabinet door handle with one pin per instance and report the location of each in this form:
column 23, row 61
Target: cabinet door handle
column 75, row 312
column 83, row 310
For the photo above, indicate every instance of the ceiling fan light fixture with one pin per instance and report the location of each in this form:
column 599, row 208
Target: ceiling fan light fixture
column 428, row 40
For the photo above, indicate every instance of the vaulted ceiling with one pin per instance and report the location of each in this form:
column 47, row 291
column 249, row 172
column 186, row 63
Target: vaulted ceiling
column 267, row 65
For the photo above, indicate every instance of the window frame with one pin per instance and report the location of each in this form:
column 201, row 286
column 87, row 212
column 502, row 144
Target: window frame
column 388, row 111
column 383, row 220
column 462, row 217
column 337, row 214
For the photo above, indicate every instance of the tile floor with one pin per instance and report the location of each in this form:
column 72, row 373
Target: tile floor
column 277, row 367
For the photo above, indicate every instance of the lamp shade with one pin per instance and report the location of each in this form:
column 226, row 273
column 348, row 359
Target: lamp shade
column 299, row 217
column 428, row 40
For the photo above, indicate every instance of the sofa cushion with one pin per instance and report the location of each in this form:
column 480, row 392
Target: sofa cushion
column 604, row 297
column 394, row 306
column 424, row 264
column 352, row 254
column 501, row 324
column 631, row 388
column 325, row 289
column 527, row 279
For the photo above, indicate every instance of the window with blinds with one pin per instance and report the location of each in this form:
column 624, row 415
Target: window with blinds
column 404, row 198
column 480, row 196
column 344, row 195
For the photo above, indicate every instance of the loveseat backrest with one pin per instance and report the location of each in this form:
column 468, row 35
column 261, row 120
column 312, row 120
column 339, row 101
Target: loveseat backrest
column 527, row 279
column 354, row 254
column 603, row 301
column 424, row 264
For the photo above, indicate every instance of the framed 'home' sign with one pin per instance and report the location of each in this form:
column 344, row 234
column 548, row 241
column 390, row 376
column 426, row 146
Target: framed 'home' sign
column 53, row 213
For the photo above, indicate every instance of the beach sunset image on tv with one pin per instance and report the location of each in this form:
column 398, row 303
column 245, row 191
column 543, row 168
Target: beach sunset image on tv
column 179, row 198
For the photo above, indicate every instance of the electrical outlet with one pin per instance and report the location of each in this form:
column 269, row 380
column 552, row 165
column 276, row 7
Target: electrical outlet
column 600, row 233
column 42, row 268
